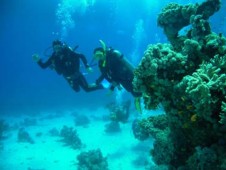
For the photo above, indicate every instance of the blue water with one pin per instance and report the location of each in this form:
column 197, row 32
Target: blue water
column 29, row 27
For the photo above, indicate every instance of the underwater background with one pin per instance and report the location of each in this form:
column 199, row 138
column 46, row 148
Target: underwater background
column 29, row 27
column 38, row 108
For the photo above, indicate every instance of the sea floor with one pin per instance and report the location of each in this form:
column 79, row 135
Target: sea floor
column 122, row 150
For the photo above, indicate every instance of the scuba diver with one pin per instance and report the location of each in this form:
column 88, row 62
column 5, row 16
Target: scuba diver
column 66, row 62
column 116, row 70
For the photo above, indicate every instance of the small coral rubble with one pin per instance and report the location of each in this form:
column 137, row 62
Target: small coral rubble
column 3, row 128
column 70, row 137
column 119, row 112
column 92, row 159
column 188, row 77
column 24, row 136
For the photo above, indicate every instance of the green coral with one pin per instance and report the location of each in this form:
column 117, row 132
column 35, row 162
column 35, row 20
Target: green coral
column 191, row 47
column 204, row 88
column 174, row 17
column 208, row 8
column 158, row 71
column 157, row 127
column 223, row 113
column 163, row 150
column 214, row 44
column 154, row 124
column 92, row 159
column 188, row 78
column 203, row 158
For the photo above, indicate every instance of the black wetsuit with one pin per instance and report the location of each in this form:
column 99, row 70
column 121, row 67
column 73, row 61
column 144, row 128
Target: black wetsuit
column 67, row 63
column 117, row 70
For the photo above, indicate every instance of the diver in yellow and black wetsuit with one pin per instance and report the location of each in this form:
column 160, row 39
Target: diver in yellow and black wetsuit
column 116, row 70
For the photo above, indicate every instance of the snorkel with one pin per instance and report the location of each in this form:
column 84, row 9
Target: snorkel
column 103, row 46
column 103, row 50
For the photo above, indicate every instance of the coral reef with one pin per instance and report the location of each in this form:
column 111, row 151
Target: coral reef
column 174, row 17
column 3, row 128
column 152, row 125
column 188, row 78
column 54, row 132
column 223, row 113
column 81, row 120
column 119, row 113
column 28, row 122
column 203, row 158
column 52, row 115
column 139, row 132
column 92, row 159
column 70, row 137
column 157, row 127
column 112, row 127
column 24, row 137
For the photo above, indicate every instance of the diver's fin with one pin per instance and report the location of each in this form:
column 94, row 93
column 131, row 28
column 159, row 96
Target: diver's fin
column 137, row 103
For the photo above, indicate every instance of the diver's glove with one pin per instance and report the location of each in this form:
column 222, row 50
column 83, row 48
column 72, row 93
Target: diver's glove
column 36, row 57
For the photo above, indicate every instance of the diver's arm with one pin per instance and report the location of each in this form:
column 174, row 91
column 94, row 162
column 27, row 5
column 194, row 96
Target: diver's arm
column 84, row 60
column 45, row 64
column 42, row 64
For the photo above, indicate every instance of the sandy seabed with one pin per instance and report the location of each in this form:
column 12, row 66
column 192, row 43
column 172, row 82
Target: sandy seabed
column 122, row 150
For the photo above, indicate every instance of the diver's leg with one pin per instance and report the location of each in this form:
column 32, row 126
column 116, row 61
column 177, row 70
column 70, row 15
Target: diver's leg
column 88, row 88
column 74, row 84
column 137, row 95
column 128, row 86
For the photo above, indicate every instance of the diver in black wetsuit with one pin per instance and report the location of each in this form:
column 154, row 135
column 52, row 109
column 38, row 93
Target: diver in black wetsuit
column 115, row 69
column 66, row 62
